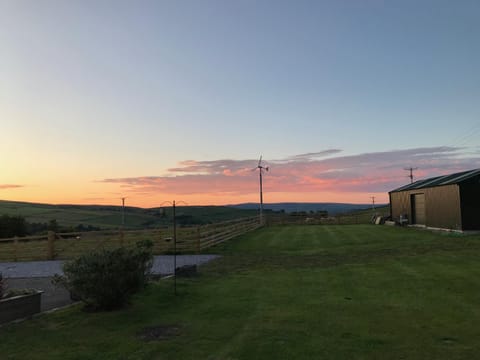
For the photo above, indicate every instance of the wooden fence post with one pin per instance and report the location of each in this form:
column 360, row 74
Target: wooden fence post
column 51, row 245
column 15, row 249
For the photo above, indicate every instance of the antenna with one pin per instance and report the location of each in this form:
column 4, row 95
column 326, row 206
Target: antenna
column 411, row 173
column 261, row 170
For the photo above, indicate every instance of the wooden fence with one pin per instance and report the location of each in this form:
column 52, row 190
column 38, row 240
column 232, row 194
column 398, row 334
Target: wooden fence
column 315, row 218
column 68, row 245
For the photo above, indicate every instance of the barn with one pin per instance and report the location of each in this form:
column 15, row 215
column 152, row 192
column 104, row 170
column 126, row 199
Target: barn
column 445, row 202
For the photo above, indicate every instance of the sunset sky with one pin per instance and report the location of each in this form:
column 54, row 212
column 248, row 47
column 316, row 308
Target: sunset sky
column 177, row 99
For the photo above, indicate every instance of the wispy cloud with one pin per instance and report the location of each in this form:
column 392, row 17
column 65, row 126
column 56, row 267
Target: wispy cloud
column 9, row 186
column 318, row 172
column 315, row 155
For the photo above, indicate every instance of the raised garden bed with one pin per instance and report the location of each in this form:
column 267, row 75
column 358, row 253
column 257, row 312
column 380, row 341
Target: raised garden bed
column 20, row 306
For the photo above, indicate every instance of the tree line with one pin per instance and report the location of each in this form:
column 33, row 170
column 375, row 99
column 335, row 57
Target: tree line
column 16, row 225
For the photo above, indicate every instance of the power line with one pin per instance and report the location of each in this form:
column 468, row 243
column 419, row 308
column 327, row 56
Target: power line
column 465, row 137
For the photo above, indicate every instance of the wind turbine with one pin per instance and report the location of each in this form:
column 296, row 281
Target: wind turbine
column 261, row 170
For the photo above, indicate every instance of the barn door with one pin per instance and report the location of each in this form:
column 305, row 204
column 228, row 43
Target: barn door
column 418, row 209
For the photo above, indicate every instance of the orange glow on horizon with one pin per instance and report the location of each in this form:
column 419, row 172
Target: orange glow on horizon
column 149, row 200
column 348, row 179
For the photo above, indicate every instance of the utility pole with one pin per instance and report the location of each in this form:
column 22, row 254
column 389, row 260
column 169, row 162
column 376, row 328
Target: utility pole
column 261, row 199
column 261, row 169
column 174, row 250
column 123, row 211
column 411, row 173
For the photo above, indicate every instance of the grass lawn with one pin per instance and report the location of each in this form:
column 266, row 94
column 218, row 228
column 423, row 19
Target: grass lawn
column 293, row 292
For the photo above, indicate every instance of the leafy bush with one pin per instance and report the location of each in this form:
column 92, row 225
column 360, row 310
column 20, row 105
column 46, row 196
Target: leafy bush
column 106, row 279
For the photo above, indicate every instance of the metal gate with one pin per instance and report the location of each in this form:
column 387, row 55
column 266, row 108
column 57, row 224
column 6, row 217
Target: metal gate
column 418, row 209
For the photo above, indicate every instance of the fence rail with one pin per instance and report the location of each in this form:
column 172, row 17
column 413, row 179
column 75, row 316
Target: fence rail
column 363, row 218
column 68, row 245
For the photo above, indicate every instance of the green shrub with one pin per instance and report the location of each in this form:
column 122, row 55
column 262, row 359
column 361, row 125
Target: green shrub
column 106, row 279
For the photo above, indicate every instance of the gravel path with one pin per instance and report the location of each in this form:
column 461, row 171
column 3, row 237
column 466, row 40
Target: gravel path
column 162, row 265
column 38, row 275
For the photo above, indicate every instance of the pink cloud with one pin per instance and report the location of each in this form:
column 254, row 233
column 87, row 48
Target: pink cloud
column 319, row 172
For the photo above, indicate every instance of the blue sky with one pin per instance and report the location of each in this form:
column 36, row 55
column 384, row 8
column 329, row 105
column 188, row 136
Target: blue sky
column 95, row 90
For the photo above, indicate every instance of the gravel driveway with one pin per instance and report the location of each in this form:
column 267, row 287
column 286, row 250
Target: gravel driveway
column 38, row 274
column 162, row 265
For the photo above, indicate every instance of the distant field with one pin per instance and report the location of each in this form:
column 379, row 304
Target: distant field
column 365, row 216
column 289, row 292
column 362, row 216
column 108, row 217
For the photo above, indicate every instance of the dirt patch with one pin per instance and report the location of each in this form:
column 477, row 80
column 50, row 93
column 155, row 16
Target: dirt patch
column 159, row 332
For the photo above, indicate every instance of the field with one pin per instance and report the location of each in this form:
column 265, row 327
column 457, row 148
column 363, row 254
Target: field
column 110, row 217
column 289, row 292
column 348, row 218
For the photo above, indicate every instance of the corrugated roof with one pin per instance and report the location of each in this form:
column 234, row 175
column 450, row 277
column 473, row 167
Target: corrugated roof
column 440, row 180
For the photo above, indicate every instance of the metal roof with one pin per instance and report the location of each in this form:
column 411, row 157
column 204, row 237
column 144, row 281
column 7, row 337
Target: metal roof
column 440, row 180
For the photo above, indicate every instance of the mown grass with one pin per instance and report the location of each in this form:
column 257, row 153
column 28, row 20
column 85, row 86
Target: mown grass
column 297, row 292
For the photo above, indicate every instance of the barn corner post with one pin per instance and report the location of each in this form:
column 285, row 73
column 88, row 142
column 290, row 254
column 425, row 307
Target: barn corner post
column 51, row 245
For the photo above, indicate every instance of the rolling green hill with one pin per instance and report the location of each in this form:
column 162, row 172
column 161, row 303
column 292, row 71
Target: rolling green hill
column 108, row 216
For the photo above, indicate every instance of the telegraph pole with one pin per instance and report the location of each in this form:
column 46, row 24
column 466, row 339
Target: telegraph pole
column 174, row 250
column 261, row 198
column 261, row 168
column 123, row 211
column 411, row 173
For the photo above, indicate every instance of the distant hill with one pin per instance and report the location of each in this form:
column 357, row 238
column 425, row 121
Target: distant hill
column 110, row 216
column 332, row 208
column 75, row 217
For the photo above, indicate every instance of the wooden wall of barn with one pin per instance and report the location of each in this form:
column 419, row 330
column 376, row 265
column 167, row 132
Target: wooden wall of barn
column 442, row 206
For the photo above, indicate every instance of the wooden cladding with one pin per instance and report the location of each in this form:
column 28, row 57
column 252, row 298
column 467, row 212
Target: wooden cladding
column 436, row 207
